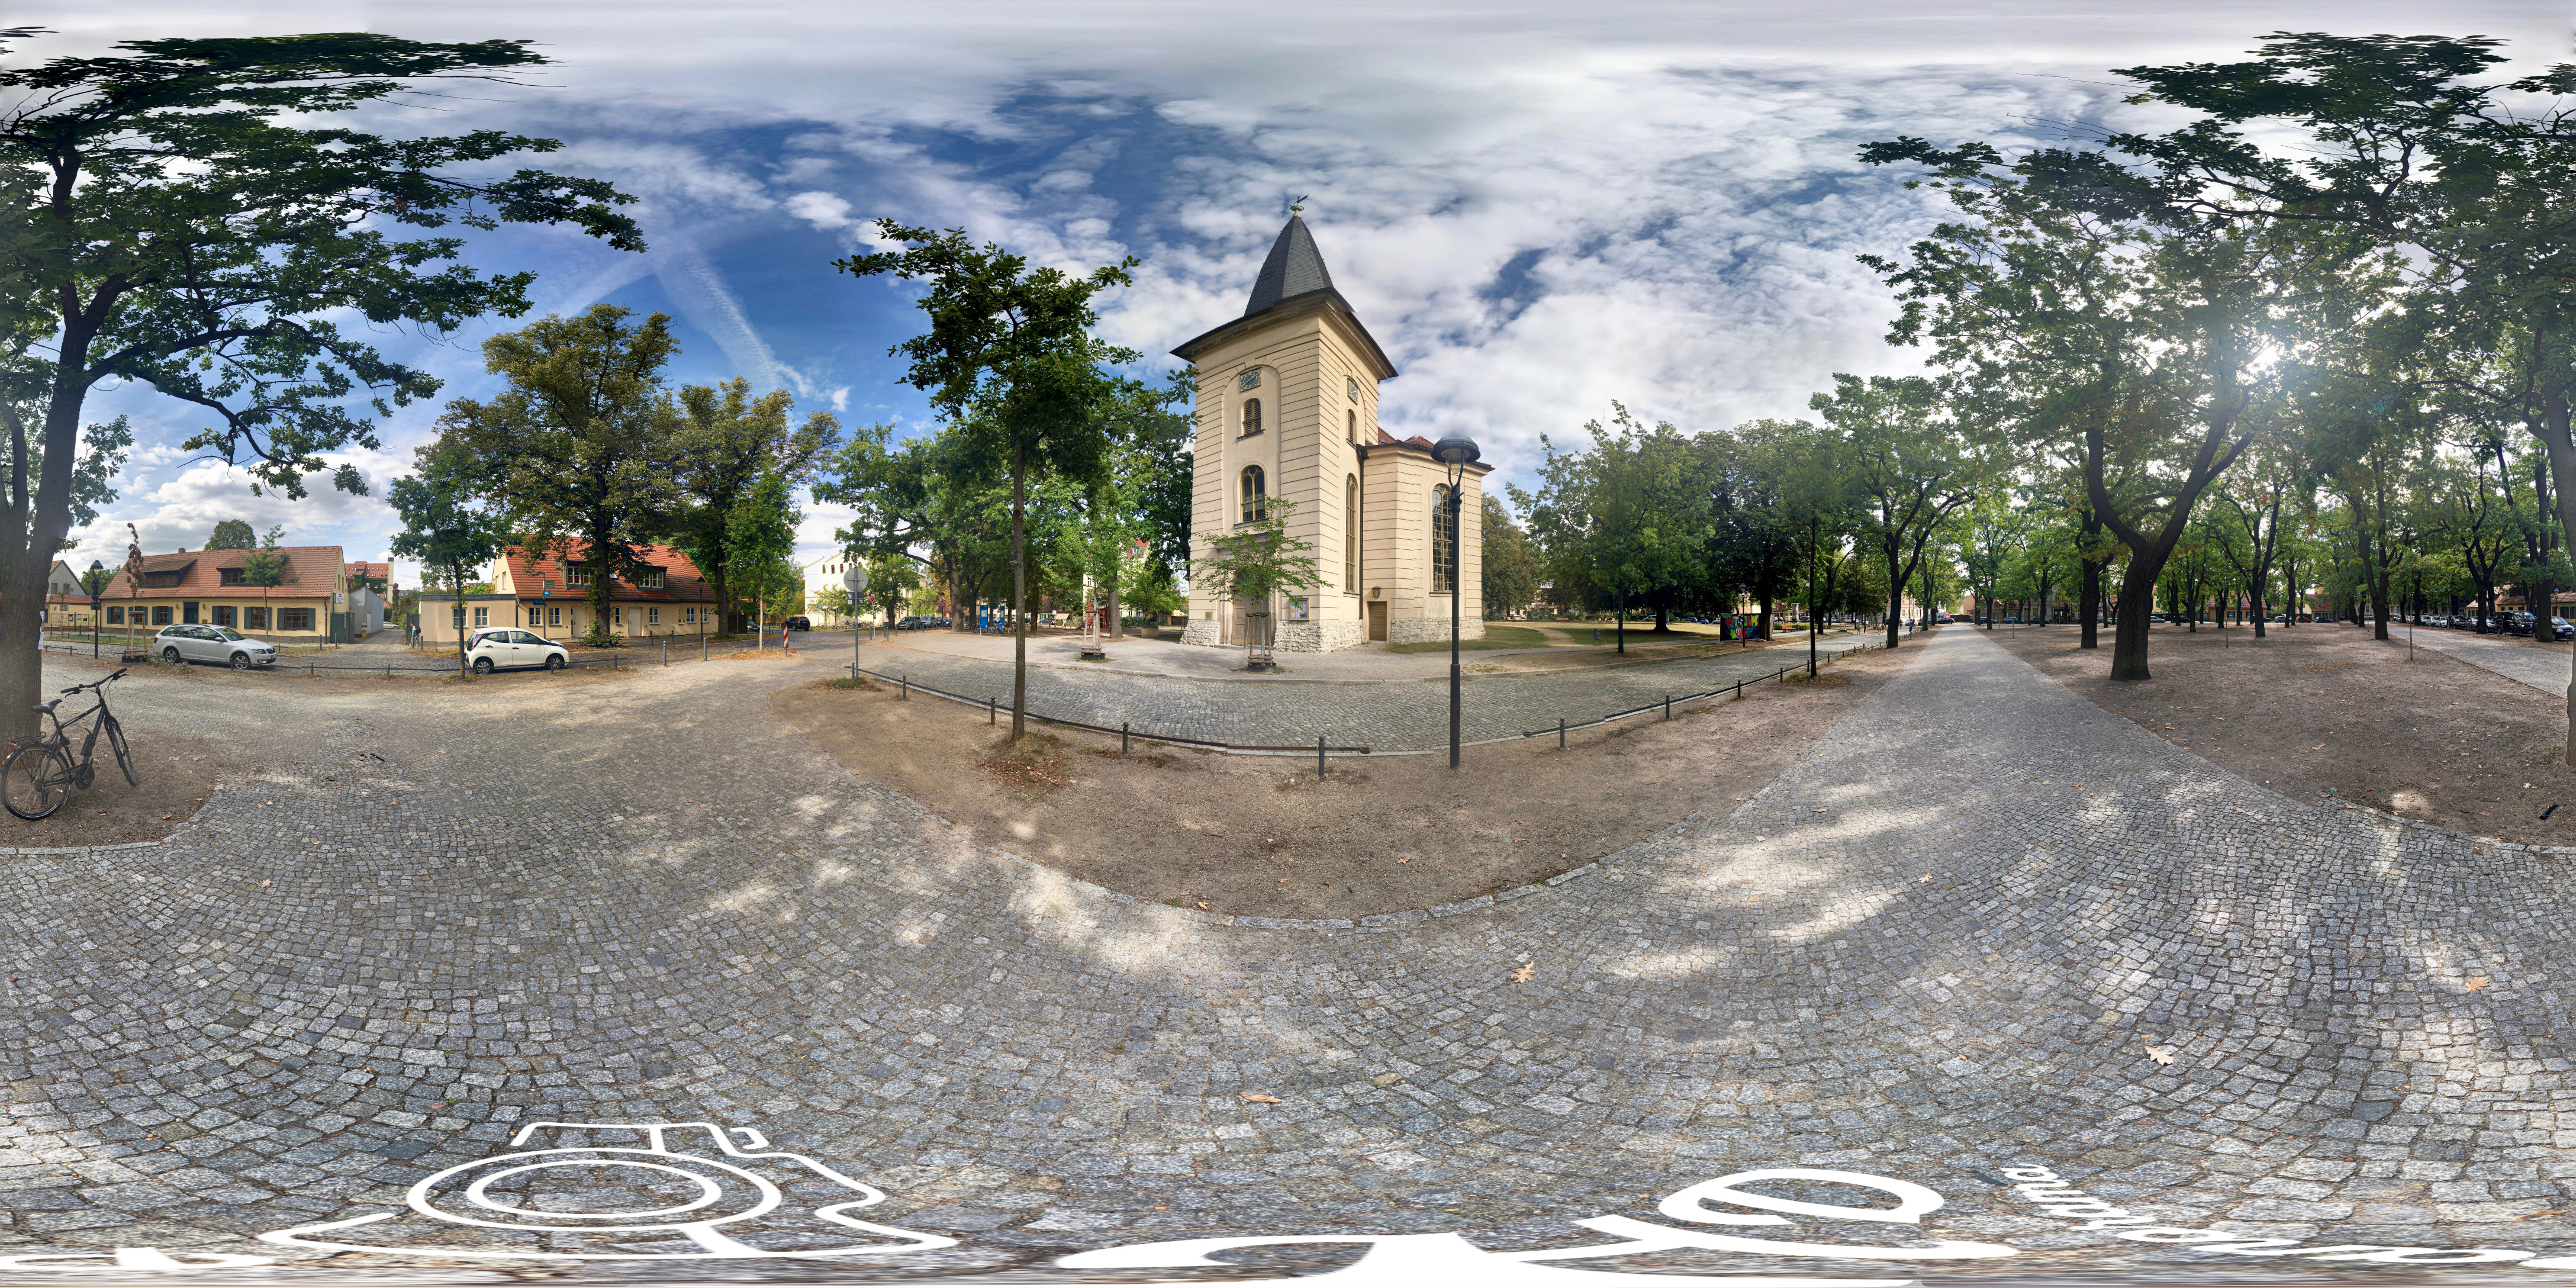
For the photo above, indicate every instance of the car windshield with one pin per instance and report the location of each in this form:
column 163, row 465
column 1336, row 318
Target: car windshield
column 228, row 633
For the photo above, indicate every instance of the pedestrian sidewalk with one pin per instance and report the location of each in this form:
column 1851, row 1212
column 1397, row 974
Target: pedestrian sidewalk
column 1171, row 659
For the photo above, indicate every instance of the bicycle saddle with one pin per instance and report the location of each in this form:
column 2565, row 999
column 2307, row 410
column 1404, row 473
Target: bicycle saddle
column 48, row 706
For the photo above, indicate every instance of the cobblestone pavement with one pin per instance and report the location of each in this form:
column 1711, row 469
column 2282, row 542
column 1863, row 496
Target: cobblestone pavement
column 2542, row 666
column 1408, row 716
column 1951, row 947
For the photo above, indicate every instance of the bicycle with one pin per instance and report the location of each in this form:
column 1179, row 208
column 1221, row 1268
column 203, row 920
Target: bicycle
column 40, row 775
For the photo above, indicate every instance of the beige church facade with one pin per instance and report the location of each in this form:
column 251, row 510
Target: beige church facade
column 1287, row 407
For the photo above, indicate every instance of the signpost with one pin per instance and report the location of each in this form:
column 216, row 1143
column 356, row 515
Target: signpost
column 856, row 582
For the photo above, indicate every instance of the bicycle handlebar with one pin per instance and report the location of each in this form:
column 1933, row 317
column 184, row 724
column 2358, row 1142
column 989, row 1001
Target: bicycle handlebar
column 100, row 684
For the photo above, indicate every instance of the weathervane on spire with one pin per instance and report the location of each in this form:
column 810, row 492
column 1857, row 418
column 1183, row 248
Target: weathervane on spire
column 1297, row 207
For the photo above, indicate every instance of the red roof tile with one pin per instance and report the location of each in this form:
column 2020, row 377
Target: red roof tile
column 530, row 577
column 310, row 571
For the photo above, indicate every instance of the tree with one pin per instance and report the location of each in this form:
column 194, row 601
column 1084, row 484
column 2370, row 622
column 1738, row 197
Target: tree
column 232, row 534
column 160, row 225
column 265, row 568
column 723, row 445
column 1010, row 357
column 577, row 453
column 760, row 541
column 1510, row 569
column 446, row 527
column 1910, row 461
column 1626, row 517
column 1258, row 561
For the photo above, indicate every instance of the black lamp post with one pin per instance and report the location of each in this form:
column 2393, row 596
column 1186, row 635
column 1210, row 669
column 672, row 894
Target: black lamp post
column 97, row 592
column 1457, row 452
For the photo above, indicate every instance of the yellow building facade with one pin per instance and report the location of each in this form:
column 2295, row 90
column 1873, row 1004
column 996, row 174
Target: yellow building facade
column 1288, row 407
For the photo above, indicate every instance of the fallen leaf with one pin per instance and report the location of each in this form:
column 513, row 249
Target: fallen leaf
column 2551, row 1212
column 2319, row 747
column 2161, row 1055
column 1259, row 1099
column 1522, row 975
column 1923, row 878
column 263, row 885
column 2475, row 983
column 1202, row 905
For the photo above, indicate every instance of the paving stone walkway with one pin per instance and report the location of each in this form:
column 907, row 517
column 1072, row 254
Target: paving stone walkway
column 1952, row 947
column 1412, row 715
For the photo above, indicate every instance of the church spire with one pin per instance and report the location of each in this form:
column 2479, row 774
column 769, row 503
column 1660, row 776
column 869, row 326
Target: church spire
column 1294, row 268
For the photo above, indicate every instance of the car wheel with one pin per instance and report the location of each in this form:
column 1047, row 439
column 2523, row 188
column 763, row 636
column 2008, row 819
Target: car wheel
column 482, row 666
column 554, row 661
column 241, row 661
column 170, row 655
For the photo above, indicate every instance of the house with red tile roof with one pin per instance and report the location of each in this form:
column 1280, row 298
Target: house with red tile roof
column 548, row 592
column 310, row 603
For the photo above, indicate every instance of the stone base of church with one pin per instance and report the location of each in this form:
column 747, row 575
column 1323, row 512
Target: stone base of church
column 1321, row 637
column 1203, row 634
column 1423, row 630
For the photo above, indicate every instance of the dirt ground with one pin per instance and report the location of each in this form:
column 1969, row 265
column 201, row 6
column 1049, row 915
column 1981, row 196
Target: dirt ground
column 2324, row 710
column 178, row 771
column 1260, row 836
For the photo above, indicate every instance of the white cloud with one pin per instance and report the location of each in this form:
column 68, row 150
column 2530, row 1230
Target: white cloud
column 821, row 209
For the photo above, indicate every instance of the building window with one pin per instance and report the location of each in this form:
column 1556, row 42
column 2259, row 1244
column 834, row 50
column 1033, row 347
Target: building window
column 1351, row 386
column 160, row 614
column 577, row 574
column 223, row 614
column 1296, row 608
column 482, row 617
column 536, row 615
column 688, row 617
column 254, row 619
column 228, row 576
column 1351, row 533
column 116, row 617
column 1256, row 497
column 1251, row 417
column 188, row 613
column 652, row 617
column 554, row 616
column 163, row 580
column 1351, row 426
column 651, row 578
column 1444, row 544
column 301, row 619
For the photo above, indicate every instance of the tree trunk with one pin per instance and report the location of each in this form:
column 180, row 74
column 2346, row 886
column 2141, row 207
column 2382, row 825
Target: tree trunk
column 1019, row 597
column 1762, row 618
column 2090, row 594
column 1620, row 624
column 1117, row 620
column 1896, row 594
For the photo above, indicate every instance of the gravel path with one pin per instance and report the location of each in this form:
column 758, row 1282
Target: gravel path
column 2542, row 666
column 1948, row 948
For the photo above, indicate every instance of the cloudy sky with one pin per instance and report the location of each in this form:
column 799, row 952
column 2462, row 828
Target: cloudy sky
column 1537, row 208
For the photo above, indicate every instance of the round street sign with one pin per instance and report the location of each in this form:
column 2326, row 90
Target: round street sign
column 856, row 579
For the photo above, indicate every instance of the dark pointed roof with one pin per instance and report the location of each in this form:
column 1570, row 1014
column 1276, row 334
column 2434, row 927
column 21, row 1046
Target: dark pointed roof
column 1294, row 268
column 1293, row 280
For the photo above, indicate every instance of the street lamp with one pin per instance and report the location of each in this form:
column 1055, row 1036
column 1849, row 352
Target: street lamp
column 97, row 592
column 1457, row 452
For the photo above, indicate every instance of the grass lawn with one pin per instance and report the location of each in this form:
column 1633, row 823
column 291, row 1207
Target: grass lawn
column 1495, row 637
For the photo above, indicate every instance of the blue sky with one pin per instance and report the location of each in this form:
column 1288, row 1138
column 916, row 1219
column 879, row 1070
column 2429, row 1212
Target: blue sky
column 1536, row 208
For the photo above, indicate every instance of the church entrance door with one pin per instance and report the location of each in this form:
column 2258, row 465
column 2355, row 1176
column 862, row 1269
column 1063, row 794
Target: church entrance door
column 1377, row 620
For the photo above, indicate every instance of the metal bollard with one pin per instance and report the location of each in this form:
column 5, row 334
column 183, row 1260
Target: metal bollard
column 1560, row 733
column 1739, row 690
column 993, row 710
column 907, row 686
column 1668, row 706
column 1122, row 737
column 1319, row 758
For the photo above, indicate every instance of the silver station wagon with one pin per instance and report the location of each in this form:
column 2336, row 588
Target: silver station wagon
column 223, row 644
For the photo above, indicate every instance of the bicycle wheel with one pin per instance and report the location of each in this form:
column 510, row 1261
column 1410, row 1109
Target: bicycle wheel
column 124, row 756
column 36, row 781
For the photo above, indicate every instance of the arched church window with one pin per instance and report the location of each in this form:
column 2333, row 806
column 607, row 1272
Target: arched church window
column 1351, row 386
column 1256, row 498
column 1444, row 543
column 1352, row 426
column 1351, row 533
column 1251, row 417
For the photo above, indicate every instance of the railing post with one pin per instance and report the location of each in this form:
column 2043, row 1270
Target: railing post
column 907, row 686
column 1560, row 733
column 1668, row 706
column 1122, row 737
column 1319, row 757
column 992, row 709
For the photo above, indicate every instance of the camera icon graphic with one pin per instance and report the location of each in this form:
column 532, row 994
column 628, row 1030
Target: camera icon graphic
column 665, row 1196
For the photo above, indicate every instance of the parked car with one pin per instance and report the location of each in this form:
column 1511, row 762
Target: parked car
column 509, row 650
column 800, row 623
column 223, row 644
column 911, row 622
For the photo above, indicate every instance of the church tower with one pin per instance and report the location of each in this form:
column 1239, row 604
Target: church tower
column 1287, row 407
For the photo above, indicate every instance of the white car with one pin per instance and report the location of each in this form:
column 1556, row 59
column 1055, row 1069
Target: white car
column 503, row 650
column 178, row 644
